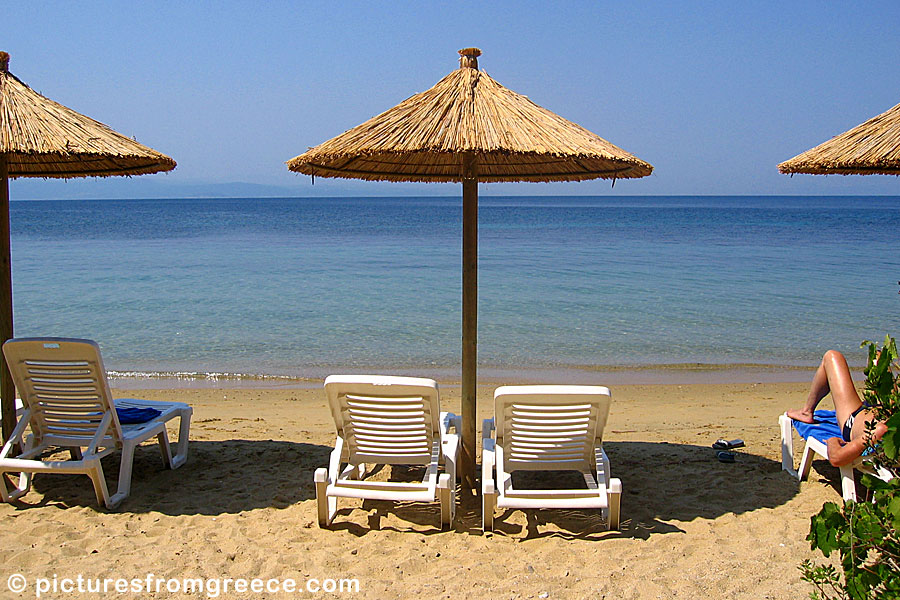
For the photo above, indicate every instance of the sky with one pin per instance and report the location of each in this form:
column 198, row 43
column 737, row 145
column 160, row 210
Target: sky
column 713, row 94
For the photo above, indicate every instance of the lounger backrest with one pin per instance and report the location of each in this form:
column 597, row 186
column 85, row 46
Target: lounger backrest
column 550, row 427
column 63, row 382
column 385, row 420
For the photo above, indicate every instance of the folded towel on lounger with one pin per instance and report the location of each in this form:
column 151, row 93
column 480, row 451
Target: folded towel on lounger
column 130, row 415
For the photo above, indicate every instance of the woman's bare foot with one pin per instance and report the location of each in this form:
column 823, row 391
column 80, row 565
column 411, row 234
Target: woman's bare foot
column 799, row 414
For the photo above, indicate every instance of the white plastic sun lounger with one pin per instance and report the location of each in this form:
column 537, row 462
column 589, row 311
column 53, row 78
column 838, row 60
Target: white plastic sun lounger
column 548, row 428
column 385, row 420
column 67, row 405
column 825, row 427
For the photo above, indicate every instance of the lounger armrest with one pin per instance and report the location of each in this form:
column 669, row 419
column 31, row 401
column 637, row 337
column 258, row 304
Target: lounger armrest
column 884, row 474
column 450, row 441
column 98, row 438
column 16, row 435
column 334, row 461
column 615, row 486
column 320, row 475
column 450, row 420
column 488, row 487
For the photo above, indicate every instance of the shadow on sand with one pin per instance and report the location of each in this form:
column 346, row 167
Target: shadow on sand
column 663, row 483
column 219, row 477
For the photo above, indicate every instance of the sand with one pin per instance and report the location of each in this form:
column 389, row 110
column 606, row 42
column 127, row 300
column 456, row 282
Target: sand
column 244, row 507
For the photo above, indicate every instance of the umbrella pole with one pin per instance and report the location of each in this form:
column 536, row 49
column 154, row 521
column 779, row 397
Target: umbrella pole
column 7, row 389
column 469, row 320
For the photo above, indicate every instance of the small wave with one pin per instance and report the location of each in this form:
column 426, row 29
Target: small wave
column 201, row 376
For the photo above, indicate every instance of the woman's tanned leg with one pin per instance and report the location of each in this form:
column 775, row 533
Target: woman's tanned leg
column 833, row 375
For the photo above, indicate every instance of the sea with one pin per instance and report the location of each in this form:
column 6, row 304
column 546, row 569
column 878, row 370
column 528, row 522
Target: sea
column 295, row 288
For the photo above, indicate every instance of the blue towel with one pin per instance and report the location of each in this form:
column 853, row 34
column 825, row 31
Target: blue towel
column 825, row 426
column 130, row 416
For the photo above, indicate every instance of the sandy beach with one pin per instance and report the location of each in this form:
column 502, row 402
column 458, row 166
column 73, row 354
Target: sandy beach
column 244, row 507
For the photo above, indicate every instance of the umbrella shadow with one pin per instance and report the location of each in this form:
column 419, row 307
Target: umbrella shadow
column 663, row 484
column 424, row 518
column 219, row 477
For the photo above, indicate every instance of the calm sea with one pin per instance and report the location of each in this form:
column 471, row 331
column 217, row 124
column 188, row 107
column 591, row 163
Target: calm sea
column 304, row 286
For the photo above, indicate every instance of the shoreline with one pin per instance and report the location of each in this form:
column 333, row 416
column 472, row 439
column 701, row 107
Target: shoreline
column 660, row 374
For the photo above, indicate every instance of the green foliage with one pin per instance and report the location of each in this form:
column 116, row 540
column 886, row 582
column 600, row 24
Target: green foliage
column 866, row 535
column 882, row 394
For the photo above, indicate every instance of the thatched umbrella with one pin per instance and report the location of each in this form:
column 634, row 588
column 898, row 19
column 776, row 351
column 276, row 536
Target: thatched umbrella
column 40, row 138
column 867, row 149
column 469, row 128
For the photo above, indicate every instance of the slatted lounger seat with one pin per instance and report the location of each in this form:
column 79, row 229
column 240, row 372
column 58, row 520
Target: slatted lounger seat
column 384, row 420
column 66, row 404
column 548, row 428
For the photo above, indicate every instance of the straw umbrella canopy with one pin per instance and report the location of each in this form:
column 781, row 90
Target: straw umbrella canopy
column 868, row 149
column 41, row 138
column 469, row 128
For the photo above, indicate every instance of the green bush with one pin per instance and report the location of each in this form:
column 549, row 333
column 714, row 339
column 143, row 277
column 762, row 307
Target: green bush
column 866, row 534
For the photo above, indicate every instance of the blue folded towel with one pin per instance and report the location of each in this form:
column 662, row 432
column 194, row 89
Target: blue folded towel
column 130, row 416
column 825, row 426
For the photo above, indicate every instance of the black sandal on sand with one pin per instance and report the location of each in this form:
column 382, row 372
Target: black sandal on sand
column 728, row 445
column 725, row 457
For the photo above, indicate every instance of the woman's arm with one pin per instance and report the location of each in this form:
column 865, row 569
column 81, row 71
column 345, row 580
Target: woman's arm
column 842, row 453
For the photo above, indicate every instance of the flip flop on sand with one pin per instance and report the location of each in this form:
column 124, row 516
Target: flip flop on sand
column 728, row 444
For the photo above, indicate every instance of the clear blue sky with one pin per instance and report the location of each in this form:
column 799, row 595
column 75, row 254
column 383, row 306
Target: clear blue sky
column 713, row 94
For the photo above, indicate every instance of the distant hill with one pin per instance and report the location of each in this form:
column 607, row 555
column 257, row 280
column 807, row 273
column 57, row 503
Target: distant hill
column 142, row 187
column 296, row 186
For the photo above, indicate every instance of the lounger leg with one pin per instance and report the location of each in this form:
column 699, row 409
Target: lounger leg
column 614, row 498
column 848, row 484
column 488, row 487
column 19, row 491
column 488, row 504
column 787, row 445
column 14, row 445
column 184, row 431
column 22, row 488
column 164, row 449
column 805, row 462
column 447, row 491
column 325, row 507
column 25, row 478
column 457, row 424
column 125, row 467
column 95, row 472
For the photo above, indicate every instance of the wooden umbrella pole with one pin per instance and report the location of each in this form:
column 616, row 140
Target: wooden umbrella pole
column 7, row 389
column 469, row 319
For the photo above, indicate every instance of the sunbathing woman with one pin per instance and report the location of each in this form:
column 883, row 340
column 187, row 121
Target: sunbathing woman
column 833, row 375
